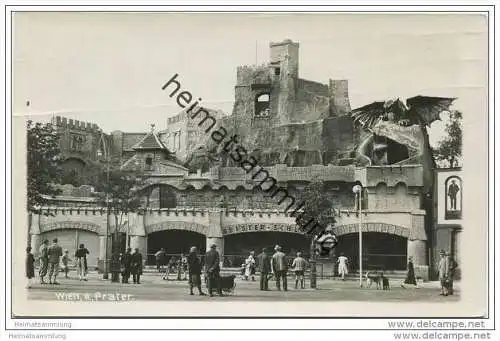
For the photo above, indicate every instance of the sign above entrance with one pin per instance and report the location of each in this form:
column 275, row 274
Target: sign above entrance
column 70, row 225
column 242, row 228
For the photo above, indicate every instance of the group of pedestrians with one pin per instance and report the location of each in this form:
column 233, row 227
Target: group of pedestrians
column 277, row 266
column 131, row 264
column 50, row 259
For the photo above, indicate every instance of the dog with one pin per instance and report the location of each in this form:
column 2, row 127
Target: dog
column 385, row 282
column 373, row 278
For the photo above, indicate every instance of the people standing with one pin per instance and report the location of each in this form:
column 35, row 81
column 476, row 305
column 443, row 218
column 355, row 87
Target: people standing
column 136, row 266
column 250, row 267
column 184, row 266
column 299, row 266
column 212, row 268
column 65, row 260
column 443, row 270
column 342, row 261
column 44, row 260
column 452, row 266
column 280, row 268
column 30, row 266
column 264, row 262
column 410, row 274
column 194, row 269
column 54, row 253
column 125, row 264
column 81, row 260
column 160, row 259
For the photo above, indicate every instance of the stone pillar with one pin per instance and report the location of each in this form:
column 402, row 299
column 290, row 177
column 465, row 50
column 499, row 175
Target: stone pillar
column 214, row 233
column 417, row 245
column 138, row 236
column 36, row 242
column 417, row 250
column 102, row 248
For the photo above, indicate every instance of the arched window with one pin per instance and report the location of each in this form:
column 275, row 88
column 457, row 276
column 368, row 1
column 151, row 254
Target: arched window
column 262, row 105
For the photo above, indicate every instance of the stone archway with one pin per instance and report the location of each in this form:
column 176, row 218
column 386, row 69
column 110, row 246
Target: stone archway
column 372, row 227
column 177, row 225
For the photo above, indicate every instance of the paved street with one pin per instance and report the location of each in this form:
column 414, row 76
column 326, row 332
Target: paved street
column 152, row 287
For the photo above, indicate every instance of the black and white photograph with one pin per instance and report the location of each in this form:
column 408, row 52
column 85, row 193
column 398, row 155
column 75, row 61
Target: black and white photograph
column 202, row 160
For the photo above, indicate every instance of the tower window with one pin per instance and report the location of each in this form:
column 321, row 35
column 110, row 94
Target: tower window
column 149, row 162
column 277, row 71
column 262, row 105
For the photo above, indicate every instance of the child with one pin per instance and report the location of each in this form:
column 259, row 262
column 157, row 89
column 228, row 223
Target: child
column 30, row 266
column 65, row 260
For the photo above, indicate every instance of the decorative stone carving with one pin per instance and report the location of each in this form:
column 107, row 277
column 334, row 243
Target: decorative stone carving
column 177, row 225
column 70, row 225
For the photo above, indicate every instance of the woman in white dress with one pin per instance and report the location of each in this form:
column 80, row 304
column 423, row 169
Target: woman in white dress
column 342, row 260
column 250, row 267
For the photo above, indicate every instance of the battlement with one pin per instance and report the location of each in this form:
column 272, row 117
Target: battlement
column 253, row 74
column 64, row 122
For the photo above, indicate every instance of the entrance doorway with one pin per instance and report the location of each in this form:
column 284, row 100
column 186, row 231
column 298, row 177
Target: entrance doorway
column 381, row 251
column 175, row 243
column 238, row 246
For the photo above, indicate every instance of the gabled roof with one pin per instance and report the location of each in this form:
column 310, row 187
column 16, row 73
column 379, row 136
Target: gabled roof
column 150, row 142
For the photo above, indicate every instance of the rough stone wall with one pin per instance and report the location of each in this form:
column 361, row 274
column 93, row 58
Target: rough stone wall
column 78, row 139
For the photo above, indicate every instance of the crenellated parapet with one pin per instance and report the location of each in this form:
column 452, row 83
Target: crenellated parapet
column 253, row 74
column 66, row 123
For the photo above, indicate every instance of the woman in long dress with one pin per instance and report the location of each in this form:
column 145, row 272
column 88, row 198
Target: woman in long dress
column 342, row 260
column 410, row 274
column 250, row 267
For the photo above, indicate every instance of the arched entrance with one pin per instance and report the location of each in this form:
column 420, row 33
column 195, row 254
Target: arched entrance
column 175, row 243
column 237, row 246
column 69, row 239
column 381, row 251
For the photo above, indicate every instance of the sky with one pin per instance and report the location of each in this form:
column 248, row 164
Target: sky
column 108, row 68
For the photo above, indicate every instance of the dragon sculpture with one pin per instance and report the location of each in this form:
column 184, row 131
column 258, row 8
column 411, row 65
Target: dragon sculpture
column 395, row 125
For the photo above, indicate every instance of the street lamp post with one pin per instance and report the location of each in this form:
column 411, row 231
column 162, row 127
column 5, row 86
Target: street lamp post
column 105, row 269
column 357, row 189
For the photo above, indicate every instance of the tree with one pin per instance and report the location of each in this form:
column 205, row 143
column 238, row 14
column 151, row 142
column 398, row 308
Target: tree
column 43, row 163
column 449, row 149
column 318, row 209
column 121, row 195
column 316, row 217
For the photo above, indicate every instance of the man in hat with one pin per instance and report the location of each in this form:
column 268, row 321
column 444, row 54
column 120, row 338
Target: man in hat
column 264, row 262
column 54, row 252
column 136, row 266
column 452, row 266
column 44, row 260
column 194, row 269
column 212, row 268
column 280, row 267
column 443, row 270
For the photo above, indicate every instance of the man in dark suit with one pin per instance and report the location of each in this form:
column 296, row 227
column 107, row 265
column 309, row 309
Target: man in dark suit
column 136, row 266
column 194, row 269
column 212, row 268
column 264, row 268
column 126, row 261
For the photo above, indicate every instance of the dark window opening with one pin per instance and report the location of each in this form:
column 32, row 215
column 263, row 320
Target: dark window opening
column 262, row 105
column 167, row 198
column 277, row 71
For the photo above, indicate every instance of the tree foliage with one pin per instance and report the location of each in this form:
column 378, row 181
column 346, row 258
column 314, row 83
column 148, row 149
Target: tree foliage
column 449, row 149
column 318, row 208
column 121, row 194
column 43, row 163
